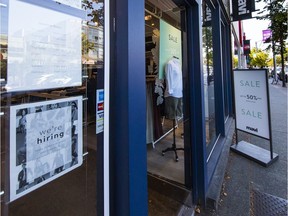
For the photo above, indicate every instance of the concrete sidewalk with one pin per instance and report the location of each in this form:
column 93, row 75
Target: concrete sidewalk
column 243, row 176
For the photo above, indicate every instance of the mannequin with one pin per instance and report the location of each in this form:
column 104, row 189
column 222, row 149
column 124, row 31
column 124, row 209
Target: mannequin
column 173, row 96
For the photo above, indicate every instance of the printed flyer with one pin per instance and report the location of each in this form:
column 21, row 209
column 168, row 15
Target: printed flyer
column 45, row 143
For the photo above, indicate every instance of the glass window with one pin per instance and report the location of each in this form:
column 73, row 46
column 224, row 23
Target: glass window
column 208, row 75
column 225, row 52
column 51, row 56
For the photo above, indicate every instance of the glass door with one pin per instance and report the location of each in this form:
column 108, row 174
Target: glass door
column 51, row 59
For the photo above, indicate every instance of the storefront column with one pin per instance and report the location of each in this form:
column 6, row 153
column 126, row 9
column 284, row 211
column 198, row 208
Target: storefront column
column 196, row 100
column 128, row 170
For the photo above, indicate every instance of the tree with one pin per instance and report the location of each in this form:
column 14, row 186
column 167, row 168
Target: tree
column 286, row 55
column 278, row 60
column 95, row 12
column 95, row 18
column 86, row 45
column 208, row 50
column 258, row 58
column 235, row 62
column 276, row 12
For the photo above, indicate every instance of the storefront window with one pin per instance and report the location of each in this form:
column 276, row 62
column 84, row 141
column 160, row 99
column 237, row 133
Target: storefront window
column 208, row 75
column 51, row 56
column 225, row 67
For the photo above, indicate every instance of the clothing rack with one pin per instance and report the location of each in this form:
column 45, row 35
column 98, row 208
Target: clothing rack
column 166, row 134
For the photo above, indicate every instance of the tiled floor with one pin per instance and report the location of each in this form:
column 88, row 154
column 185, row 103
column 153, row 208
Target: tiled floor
column 166, row 176
column 166, row 166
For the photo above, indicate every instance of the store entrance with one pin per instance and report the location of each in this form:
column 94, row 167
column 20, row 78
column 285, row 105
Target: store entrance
column 164, row 91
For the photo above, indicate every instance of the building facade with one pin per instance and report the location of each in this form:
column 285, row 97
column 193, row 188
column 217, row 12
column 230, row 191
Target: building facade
column 91, row 123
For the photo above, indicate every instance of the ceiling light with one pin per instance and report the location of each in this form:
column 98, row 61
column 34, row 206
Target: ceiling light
column 148, row 17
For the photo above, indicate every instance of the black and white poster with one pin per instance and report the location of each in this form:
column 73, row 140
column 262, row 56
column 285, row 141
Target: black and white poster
column 45, row 143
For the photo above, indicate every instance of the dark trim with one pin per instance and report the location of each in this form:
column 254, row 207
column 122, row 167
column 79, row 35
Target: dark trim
column 225, row 15
column 186, row 106
column 218, row 70
column 226, row 47
column 229, row 71
column 196, row 101
column 100, row 156
column 128, row 159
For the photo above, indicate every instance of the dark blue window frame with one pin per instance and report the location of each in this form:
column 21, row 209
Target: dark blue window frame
column 128, row 160
column 128, row 145
column 222, row 78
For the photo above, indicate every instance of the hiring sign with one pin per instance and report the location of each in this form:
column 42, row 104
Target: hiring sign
column 45, row 143
column 251, row 102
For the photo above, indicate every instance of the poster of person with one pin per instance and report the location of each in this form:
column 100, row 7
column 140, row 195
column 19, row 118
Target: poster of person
column 45, row 143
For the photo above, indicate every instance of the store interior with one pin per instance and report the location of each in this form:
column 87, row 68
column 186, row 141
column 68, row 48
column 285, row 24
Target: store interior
column 160, row 134
column 166, row 178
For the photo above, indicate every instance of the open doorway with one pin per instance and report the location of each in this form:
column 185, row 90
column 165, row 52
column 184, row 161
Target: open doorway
column 164, row 88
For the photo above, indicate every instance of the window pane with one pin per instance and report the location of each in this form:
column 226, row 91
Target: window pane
column 208, row 75
column 49, row 70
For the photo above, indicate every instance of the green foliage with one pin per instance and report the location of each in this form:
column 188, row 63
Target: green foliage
column 286, row 55
column 278, row 59
column 276, row 11
column 235, row 62
column 3, row 68
column 86, row 45
column 95, row 12
column 208, row 45
column 270, row 63
column 259, row 58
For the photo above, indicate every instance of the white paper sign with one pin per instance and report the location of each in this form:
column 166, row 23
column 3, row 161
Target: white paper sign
column 251, row 102
column 71, row 3
column 44, row 48
column 45, row 143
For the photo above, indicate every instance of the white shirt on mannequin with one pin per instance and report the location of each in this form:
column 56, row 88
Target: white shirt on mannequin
column 173, row 75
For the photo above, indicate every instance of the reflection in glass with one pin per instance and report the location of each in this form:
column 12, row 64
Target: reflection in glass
column 74, row 193
column 208, row 74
